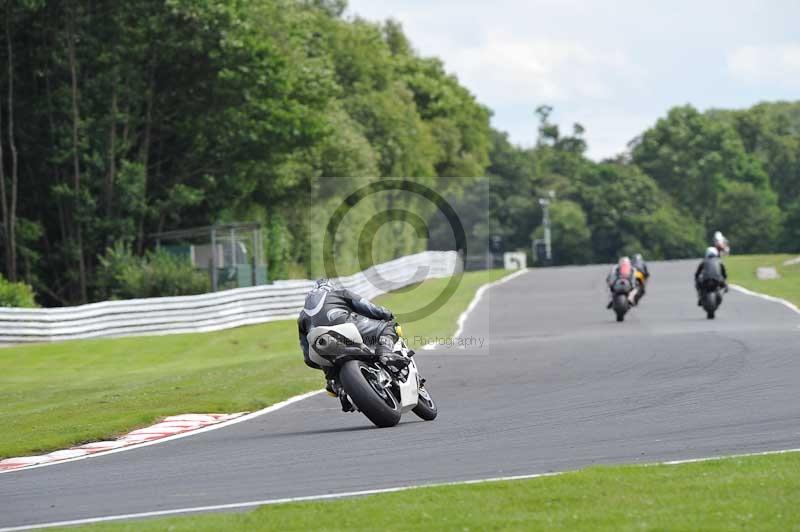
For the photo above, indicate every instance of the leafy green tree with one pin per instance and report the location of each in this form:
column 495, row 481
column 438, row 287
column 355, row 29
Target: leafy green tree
column 749, row 217
column 511, row 189
column 571, row 237
column 790, row 234
column 692, row 157
column 771, row 132
column 628, row 213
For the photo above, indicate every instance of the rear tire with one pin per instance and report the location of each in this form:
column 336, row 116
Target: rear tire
column 382, row 408
column 426, row 408
column 710, row 314
column 710, row 302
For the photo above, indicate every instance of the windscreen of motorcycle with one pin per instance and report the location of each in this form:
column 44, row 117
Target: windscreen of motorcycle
column 622, row 286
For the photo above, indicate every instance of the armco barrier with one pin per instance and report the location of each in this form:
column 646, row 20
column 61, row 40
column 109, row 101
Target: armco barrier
column 209, row 312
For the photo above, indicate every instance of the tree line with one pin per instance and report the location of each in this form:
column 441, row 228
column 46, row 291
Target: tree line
column 690, row 174
column 119, row 120
column 123, row 119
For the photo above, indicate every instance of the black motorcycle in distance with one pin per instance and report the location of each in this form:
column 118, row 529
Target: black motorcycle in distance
column 711, row 296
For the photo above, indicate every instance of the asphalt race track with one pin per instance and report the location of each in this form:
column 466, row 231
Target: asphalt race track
column 558, row 385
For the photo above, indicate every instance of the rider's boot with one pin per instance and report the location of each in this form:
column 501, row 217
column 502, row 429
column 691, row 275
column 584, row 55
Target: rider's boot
column 387, row 356
column 334, row 389
column 347, row 406
column 331, row 386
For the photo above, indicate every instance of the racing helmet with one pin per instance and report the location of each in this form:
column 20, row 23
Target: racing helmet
column 711, row 252
column 625, row 266
column 323, row 284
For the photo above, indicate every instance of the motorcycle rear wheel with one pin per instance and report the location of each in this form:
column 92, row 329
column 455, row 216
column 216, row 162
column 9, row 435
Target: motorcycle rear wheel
column 377, row 403
column 710, row 303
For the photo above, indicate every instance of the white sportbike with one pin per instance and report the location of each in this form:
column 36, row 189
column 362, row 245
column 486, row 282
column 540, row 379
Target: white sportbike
column 379, row 391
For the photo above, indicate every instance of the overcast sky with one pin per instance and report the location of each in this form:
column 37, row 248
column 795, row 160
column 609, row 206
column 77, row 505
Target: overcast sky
column 613, row 66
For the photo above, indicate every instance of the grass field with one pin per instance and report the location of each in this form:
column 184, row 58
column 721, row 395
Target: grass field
column 742, row 271
column 750, row 493
column 57, row 395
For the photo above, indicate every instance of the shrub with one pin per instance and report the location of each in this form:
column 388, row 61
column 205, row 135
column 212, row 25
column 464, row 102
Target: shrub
column 16, row 294
column 122, row 275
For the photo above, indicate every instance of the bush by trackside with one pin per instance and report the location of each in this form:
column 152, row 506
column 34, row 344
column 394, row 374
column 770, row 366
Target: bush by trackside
column 123, row 275
column 16, row 294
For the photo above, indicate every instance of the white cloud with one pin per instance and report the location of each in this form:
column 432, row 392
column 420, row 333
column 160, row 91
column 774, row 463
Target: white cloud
column 613, row 67
column 512, row 70
column 769, row 64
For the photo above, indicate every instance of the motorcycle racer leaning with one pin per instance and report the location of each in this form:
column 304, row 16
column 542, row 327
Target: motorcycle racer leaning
column 325, row 306
column 642, row 274
column 623, row 269
column 721, row 243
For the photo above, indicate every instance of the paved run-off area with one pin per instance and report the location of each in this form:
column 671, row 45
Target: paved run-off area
column 557, row 385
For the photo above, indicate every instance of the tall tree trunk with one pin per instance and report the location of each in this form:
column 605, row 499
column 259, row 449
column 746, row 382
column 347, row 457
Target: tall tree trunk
column 3, row 202
column 76, row 180
column 144, row 156
column 112, row 154
column 11, row 222
column 57, row 175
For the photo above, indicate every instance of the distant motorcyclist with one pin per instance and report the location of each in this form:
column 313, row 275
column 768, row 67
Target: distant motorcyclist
column 710, row 268
column 721, row 244
column 642, row 275
column 622, row 270
column 325, row 306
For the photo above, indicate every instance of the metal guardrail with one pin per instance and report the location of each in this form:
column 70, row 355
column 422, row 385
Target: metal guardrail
column 209, row 312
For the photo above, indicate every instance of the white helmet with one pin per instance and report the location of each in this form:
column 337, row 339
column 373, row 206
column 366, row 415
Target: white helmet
column 718, row 237
column 712, row 252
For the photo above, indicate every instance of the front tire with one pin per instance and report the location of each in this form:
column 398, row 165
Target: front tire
column 377, row 403
column 426, row 408
column 620, row 306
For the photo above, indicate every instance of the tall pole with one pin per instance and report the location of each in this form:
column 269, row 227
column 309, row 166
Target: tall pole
column 546, row 223
column 213, row 259
column 545, row 203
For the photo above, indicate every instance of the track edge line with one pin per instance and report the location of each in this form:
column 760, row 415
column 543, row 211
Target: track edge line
column 361, row 493
column 245, row 417
column 785, row 302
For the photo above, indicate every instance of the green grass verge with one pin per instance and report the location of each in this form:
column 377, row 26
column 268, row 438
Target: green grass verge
column 742, row 271
column 750, row 493
column 57, row 395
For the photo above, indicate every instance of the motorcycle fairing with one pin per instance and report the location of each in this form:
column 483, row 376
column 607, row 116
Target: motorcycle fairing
column 348, row 330
column 409, row 390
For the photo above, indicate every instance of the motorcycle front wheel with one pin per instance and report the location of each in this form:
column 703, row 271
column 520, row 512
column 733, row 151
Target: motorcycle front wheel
column 361, row 384
column 620, row 306
column 426, row 408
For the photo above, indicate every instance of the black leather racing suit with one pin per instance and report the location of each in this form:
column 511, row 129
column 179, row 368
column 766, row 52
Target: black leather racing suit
column 334, row 307
column 641, row 266
column 710, row 268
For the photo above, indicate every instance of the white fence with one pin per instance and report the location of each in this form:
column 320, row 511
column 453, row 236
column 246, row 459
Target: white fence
column 209, row 312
